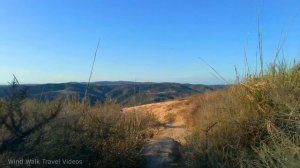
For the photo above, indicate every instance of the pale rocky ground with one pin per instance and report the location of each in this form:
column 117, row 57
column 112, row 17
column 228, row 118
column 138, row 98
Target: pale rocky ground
column 164, row 149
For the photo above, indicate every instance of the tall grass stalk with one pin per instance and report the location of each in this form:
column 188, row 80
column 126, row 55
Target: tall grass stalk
column 90, row 76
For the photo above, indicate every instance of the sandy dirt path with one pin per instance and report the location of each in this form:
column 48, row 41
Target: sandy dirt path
column 164, row 149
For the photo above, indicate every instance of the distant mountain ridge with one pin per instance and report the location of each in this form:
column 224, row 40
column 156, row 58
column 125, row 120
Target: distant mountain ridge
column 126, row 93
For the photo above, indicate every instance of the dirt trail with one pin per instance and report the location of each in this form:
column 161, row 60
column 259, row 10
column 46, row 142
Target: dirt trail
column 164, row 149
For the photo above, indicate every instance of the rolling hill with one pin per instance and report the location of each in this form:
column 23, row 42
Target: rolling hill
column 124, row 92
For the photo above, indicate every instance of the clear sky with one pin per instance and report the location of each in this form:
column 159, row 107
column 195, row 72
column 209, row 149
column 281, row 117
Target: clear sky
column 50, row 41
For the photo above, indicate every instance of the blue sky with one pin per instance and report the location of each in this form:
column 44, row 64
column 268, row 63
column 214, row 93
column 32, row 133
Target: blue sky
column 52, row 41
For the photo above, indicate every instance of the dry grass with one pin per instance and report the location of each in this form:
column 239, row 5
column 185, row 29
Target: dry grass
column 102, row 136
column 255, row 123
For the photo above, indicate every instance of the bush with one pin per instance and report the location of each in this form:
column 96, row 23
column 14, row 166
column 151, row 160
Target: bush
column 17, row 124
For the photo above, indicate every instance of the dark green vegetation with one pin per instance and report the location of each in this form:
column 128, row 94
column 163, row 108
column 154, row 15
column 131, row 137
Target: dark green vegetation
column 255, row 123
column 98, row 136
column 125, row 93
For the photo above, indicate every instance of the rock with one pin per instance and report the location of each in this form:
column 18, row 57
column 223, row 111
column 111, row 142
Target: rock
column 162, row 153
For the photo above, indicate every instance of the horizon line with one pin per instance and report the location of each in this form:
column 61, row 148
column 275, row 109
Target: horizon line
column 8, row 83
